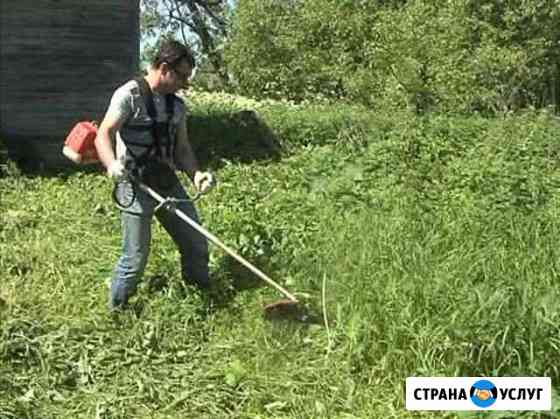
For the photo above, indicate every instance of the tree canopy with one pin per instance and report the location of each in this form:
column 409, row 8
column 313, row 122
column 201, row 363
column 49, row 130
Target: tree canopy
column 199, row 23
column 459, row 55
column 450, row 55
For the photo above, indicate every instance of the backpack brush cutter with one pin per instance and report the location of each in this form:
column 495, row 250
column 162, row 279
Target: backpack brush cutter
column 288, row 307
column 80, row 148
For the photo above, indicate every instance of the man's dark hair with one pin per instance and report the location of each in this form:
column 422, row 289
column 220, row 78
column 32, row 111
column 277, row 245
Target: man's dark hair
column 172, row 52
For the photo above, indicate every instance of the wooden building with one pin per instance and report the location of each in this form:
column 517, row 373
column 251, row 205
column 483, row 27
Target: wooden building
column 60, row 61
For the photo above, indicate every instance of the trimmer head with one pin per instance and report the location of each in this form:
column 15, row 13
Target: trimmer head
column 285, row 309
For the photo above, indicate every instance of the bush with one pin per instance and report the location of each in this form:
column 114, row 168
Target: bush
column 501, row 164
column 495, row 163
column 238, row 128
column 456, row 56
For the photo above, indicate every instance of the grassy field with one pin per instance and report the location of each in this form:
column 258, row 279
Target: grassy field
column 430, row 251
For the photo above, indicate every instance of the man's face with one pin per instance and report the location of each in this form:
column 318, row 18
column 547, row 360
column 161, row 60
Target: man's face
column 177, row 76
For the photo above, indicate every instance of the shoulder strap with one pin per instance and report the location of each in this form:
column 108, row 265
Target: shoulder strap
column 170, row 109
column 170, row 105
column 148, row 97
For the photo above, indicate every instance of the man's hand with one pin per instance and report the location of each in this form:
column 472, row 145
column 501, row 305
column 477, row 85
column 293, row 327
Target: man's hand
column 203, row 181
column 116, row 169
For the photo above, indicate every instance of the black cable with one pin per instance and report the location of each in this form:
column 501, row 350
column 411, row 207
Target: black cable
column 124, row 193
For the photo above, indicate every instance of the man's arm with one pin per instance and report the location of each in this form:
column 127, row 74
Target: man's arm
column 105, row 140
column 115, row 117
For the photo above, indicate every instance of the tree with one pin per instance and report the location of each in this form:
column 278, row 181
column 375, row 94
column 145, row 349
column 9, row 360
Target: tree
column 200, row 23
column 296, row 49
column 444, row 55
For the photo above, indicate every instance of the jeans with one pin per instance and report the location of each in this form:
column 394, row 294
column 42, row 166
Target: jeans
column 137, row 233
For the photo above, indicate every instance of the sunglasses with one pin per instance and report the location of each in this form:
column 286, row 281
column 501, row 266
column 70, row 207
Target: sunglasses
column 187, row 76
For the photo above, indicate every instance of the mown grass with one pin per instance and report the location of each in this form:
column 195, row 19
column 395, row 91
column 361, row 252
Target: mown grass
column 417, row 249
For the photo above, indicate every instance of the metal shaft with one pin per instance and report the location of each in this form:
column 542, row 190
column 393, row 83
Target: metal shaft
column 217, row 242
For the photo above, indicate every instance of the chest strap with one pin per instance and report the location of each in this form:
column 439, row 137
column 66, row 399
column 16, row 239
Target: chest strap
column 159, row 130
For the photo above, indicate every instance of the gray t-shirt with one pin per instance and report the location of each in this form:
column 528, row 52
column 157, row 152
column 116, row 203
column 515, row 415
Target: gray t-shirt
column 127, row 105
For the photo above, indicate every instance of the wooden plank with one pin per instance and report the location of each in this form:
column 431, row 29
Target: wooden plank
column 60, row 60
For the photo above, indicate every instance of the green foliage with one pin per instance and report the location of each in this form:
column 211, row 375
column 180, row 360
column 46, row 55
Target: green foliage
column 271, row 54
column 458, row 56
column 198, row 23
column 504, row 164
column 222, row 124
column 257, row 41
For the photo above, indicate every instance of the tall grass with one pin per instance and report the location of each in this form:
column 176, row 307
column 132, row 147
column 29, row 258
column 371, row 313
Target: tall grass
column 406, row 270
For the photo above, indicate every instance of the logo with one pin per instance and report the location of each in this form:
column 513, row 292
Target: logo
column 483, row 393
column 479, row 393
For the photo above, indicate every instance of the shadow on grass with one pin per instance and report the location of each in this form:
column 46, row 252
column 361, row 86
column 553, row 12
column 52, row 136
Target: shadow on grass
column 237, row 137
column 216, row 138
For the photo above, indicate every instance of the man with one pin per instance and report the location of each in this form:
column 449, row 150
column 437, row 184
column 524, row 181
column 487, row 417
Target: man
column 151, row 137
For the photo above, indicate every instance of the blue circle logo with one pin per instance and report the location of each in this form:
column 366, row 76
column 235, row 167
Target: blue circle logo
column 484, row 393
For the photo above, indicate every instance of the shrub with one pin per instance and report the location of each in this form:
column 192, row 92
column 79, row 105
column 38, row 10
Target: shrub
column 455, row 56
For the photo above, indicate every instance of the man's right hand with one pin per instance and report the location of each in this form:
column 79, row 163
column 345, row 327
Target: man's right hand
column 116, row 169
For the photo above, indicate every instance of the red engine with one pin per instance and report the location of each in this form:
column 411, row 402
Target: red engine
column 80, row 143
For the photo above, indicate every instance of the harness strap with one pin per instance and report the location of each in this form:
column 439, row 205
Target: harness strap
column 148, row 97
column 169, row 108
column 158, row 129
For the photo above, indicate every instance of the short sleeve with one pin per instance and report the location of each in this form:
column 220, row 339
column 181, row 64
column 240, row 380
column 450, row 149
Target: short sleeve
column 120, row 106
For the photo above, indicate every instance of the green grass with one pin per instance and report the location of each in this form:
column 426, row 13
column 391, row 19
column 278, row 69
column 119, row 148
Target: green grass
column 413, row 278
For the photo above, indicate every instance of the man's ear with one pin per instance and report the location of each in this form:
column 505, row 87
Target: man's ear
column 164, row 68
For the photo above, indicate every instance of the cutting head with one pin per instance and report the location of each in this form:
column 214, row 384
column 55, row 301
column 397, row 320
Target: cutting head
column 285, row 309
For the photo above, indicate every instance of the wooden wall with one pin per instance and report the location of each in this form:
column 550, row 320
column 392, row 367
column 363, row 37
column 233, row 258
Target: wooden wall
column 60, row 60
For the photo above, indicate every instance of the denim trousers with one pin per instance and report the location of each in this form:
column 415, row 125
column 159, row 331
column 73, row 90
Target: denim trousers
column 137, row 232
